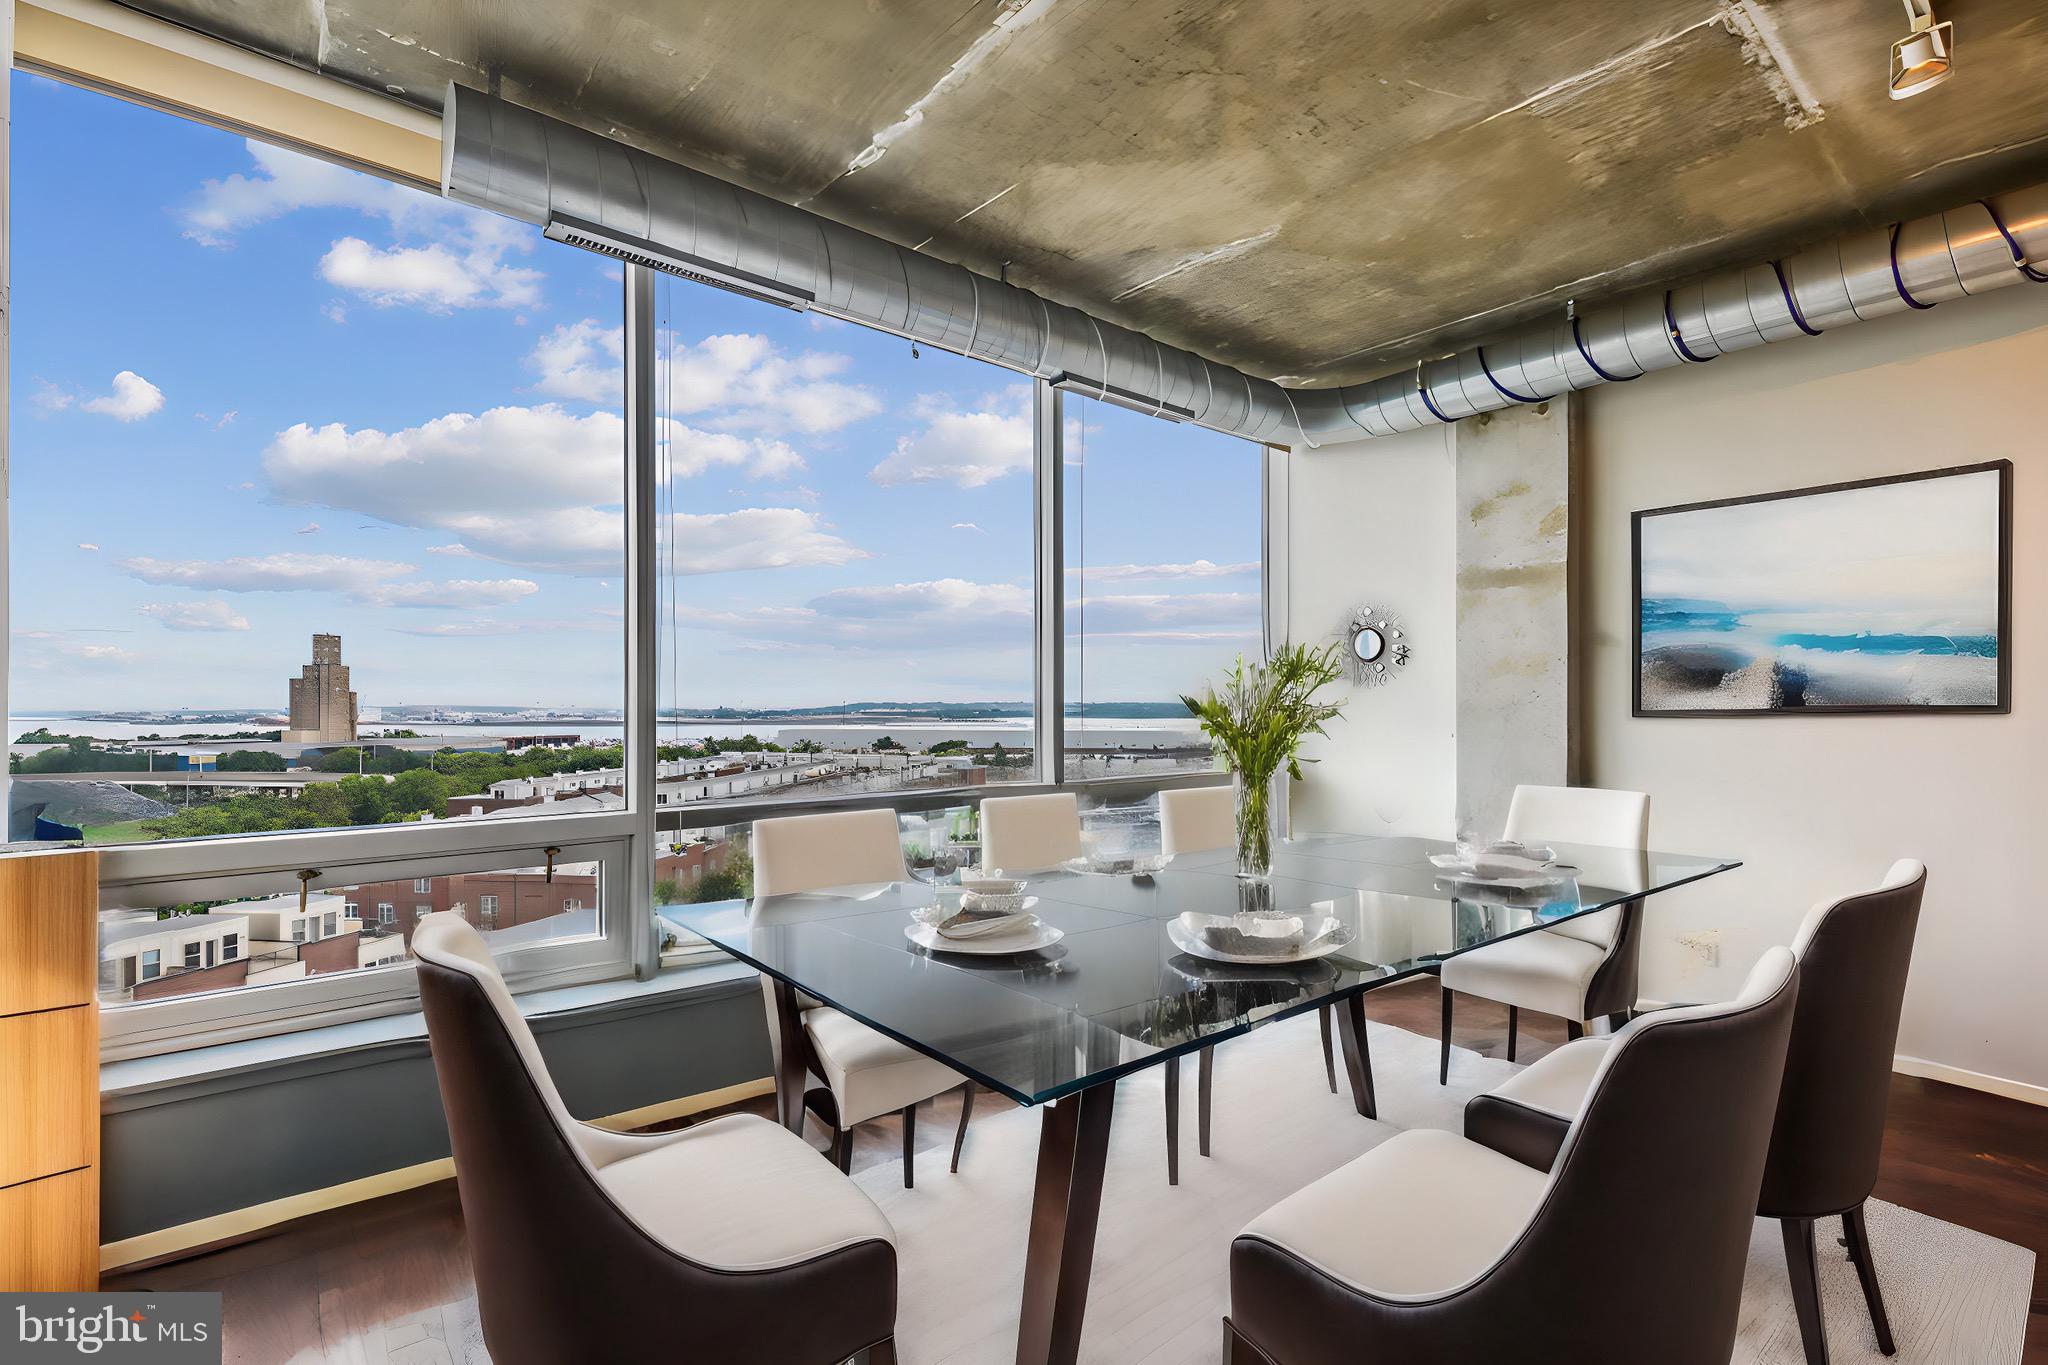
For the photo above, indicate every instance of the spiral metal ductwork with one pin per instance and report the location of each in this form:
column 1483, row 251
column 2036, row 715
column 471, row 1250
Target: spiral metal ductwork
column 610, row 197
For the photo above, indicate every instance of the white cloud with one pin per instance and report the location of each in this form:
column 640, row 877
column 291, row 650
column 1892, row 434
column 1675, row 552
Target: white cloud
column 934, row 614
column 212, row 614
column 458, row 594
column 537, row 487
column 968, row 526
column 744, row 381
column 131, row 398
column 226, row 418
column 1200, row 568
column 1166, row 617
column 691, row 452
column 87, row 545
column 755, row 538
column 269, row 573
column 49, row 398
column 284, row 182
column 443, row 255
column 335, row 311
column 968, row 449
column 432, row 276
column 521, row 485
column 583, row 360
column 485, row 626
column 310, row 528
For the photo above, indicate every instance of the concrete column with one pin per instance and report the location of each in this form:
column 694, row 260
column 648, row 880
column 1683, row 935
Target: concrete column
column 1515, row 685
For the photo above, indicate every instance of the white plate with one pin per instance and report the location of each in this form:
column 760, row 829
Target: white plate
column 1040, row 935
column 1189, row 942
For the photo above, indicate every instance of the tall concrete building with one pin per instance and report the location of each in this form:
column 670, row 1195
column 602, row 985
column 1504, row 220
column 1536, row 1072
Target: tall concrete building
column 323, row 710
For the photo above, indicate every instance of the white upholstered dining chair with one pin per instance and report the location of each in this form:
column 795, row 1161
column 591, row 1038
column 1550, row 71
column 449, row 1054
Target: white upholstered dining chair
column 1586, row 967
column 866, row 1074
column 1195, row 819
column 1030, row 833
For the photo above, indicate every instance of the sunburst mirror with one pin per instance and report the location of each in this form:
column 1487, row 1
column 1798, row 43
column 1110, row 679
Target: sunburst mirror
column 1376, row 648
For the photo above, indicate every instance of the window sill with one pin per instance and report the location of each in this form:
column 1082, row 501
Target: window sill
column 137, row 1082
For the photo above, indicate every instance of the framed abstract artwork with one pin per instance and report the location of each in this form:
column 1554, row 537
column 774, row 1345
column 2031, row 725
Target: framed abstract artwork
column 1881, row 596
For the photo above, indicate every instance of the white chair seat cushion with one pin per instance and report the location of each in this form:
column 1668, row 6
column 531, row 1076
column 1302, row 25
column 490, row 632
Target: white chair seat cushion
column 1544, row 972
column 1420, row 1215
column 870, row 1073
column 742, row 1193
column 1556, row 1083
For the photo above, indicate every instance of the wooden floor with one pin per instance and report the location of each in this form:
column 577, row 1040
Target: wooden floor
column 320, row 1285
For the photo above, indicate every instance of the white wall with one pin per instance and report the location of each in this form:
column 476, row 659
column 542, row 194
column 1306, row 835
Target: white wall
column 1373, row 523
column 1818, row 806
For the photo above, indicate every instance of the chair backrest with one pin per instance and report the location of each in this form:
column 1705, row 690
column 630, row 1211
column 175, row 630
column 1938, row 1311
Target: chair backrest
column 541, row 1229
column 1030, row 833
column 805, row 852
column 1596, row 816
column 1853, row 955
column 1192, row 819
column 1653, row 1184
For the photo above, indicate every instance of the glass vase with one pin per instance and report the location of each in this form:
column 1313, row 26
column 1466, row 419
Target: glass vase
column 1254, row 829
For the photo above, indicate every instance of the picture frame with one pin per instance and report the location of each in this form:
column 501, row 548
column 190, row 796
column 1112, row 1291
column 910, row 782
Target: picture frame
column 1921, row 625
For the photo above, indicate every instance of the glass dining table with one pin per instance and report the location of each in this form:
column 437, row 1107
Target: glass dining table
column 1058, row 1026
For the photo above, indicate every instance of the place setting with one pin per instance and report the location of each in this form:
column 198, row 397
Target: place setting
column 985, row 915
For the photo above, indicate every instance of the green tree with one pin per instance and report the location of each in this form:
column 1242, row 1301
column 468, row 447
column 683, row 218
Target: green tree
column 948, row 746
column 418, row 791
column 886, row 743
column 251, row 761
column 341, row 760
column 368, row 799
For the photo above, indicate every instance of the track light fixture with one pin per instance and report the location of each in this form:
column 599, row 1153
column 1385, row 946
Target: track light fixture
column 1925, row 57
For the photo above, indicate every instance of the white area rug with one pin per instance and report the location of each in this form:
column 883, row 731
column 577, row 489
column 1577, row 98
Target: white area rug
column 1161, row 1282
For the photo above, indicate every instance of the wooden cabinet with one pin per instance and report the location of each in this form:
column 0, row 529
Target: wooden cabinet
column 49, row 1072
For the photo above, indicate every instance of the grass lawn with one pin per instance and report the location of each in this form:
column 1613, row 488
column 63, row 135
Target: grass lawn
column 120, row 832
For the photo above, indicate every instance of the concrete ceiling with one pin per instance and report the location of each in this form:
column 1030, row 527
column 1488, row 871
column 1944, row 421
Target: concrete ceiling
column 1310, row 190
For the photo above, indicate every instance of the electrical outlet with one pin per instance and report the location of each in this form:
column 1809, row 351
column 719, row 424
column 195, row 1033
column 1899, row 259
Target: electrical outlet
column 1705, row 944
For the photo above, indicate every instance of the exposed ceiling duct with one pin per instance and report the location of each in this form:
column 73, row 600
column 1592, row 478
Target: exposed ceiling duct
column 609, row 197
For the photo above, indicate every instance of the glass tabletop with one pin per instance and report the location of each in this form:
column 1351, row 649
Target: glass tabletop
column 1117, row 993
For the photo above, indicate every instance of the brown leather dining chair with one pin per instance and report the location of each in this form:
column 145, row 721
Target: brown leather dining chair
column 1433, row 1248
column 1853, row 954
column 727, row 1242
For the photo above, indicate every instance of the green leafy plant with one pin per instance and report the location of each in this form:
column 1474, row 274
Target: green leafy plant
column 1256, row 723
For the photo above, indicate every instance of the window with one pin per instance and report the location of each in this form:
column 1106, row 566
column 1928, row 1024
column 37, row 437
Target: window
column 371, row 460
column 264, row 944
column 387, row 913
column 846, row 557
column 330, row 923
column 1164, row 585
column 422, row 886
column 487, row 906
column 420, row 912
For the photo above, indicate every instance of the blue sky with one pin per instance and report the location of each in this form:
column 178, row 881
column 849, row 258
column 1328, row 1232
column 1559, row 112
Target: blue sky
column 256, row 396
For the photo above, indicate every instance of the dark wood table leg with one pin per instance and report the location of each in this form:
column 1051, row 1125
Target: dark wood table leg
column 789, row 1074
column 1205, row 1073
column 1172, row 1120
column 1073, row 1146
column 1357, row 1059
